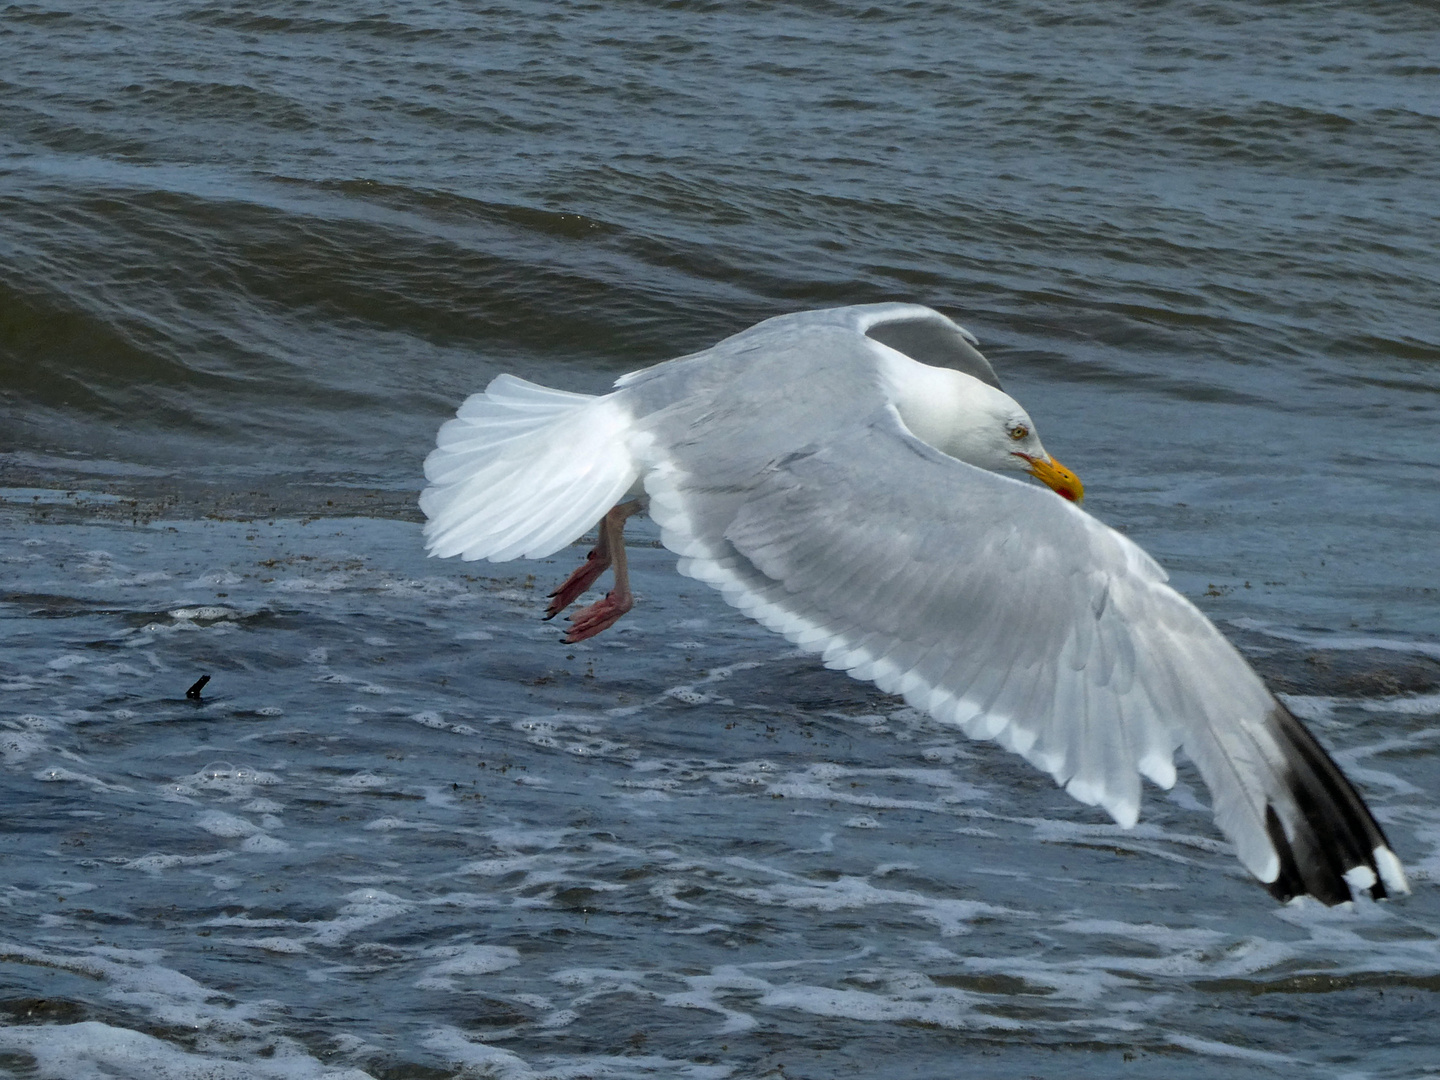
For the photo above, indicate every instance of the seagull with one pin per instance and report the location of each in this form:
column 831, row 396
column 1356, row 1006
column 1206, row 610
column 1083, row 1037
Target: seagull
column 856, row 480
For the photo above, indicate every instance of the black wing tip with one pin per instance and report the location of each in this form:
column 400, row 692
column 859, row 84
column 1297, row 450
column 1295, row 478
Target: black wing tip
column 1317, row 871
column 1331, row 834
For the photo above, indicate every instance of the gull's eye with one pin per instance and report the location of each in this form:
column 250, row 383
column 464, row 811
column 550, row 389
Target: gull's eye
column 1019, row 431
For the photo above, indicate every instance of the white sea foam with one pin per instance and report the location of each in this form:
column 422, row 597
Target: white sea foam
column 688, row 695
column 823, row 782
column 69, row 660
column 17, row 746
column 357, row 863
column 136, row 978
column 1144, row 837
column 1212, row 1048
column 135, row 581
column 1418, row 705
column 1310, row 708
column 221, row 777
column 219, row 823
column 939, row 1006
column 156, row 863
column 478, row 1058
column 56, row 774
column 91, row 1050
column 950, row 916
column 465, row 960
column 325, row 583
column 365, row 908
column 1339, row 641
column 203, row 614
column 221, row 577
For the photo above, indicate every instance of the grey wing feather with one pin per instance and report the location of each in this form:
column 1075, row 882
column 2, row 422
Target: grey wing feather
column 932, row 339
column 919, row 332
column 1000, row 608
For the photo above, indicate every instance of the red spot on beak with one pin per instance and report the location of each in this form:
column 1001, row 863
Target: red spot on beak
column 1055, row 476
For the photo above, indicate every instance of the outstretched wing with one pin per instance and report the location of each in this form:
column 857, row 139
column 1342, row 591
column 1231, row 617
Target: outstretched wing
column 997, row 607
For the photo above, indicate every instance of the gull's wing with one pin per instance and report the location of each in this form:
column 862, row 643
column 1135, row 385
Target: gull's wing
column 997, row 606
column 927, row 336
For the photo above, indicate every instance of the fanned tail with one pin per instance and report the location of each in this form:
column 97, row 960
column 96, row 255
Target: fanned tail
column 524, row 470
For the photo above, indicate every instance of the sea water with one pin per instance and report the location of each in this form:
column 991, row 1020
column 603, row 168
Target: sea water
column 251, row 257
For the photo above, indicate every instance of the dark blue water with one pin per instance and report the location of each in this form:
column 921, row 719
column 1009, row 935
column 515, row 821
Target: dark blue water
column 251, row 257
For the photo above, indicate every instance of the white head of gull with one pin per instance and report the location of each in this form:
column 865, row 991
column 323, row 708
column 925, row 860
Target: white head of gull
column 853, row 479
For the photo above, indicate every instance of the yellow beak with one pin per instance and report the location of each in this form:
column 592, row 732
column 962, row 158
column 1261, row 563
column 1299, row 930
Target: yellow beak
column 1056, row 477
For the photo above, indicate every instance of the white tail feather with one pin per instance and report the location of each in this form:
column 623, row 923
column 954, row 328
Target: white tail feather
column 524, row 470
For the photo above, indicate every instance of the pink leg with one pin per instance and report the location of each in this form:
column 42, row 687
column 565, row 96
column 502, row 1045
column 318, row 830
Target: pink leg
column 595, row 564
column 609, row 551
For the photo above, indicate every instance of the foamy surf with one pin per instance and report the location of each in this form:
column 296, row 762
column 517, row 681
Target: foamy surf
column 402, row 824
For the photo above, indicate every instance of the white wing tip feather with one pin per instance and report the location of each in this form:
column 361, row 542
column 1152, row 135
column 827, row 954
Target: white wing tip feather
column 1159, row 769
column 1265, row 866
column 1018, row 740
column 1392, row 874
column 1360, row 878
column 1126, row 812
column 989, row 725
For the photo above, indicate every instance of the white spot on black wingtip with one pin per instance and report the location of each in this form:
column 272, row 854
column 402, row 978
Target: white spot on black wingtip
column 1360, row 878
column 1328, row 842
column 1392, row 874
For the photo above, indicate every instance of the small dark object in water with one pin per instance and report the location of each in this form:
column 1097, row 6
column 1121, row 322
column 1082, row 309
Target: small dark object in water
column 194, row 692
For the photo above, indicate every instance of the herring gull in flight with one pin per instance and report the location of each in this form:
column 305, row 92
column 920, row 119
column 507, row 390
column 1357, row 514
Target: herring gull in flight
column 852, row 479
